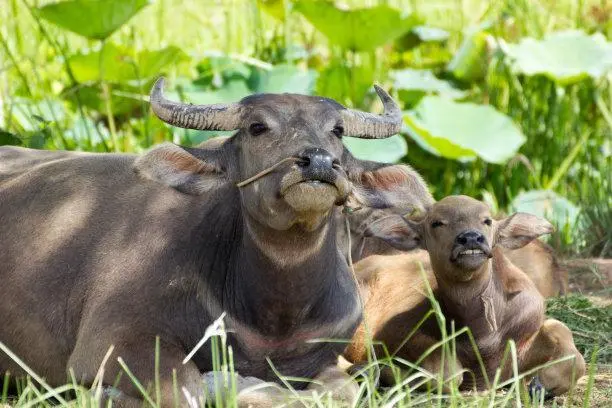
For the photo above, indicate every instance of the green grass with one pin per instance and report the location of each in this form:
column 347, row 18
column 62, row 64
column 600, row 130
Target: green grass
column 591, row 324
column 414, row 386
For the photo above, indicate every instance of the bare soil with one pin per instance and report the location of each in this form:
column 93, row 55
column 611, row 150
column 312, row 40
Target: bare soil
column 601, row 393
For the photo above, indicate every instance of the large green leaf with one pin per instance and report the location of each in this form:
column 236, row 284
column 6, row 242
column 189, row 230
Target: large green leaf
column 463, row 131
column 233, row 91
column 285, row 78
column 564, row 56
column 547, row 204
column 388, row 150
column 345, row 84
column 151, row 62
column 470, row 62
column 358, row 29
column 118, row 64
column 419, row 35
column 111, row 63
column 413, row 84
column 94, row 19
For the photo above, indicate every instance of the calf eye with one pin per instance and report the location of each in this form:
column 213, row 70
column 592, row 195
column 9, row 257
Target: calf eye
column 488, row 221
column 257, row 129
column 436, row 224
column 338, row 131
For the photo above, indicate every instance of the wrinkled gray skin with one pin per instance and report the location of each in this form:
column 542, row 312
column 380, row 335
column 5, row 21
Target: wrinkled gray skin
column 376, row 231
column 110, row 249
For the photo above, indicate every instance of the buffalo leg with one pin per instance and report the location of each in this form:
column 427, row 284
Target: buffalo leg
column 256, row 393
column 553, row 341
column 140, row 360
column 438, row 363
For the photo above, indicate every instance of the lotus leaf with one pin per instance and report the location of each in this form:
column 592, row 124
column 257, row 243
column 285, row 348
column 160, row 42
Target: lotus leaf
column 359, row 29
column 388, row 150
column 425, row 81
column 547, row 204
column 463, row 131
column 94, row 19
column 565, row 56
column 118, row 64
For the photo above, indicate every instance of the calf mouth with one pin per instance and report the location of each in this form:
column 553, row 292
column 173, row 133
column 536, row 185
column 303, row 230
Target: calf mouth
column 471, row 256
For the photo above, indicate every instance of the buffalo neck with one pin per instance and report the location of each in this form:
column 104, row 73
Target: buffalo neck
column 288, row 279
column 477, row 303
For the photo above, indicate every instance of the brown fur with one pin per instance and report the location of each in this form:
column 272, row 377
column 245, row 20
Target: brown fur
column 539, row 262
column 496, row 300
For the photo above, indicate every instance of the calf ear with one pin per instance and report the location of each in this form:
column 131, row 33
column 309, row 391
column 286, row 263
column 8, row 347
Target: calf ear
column 179, row 168
column 379, row 185
column 519, row 229
column 395, row 231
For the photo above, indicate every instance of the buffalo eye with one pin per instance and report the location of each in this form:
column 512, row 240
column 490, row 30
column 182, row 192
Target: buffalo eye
column 436, row 224
column 257, row 129
column 488, row 221
column 338, row 131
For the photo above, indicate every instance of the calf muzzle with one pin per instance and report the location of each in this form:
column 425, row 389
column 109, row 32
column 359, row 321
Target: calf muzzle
column 470, row 249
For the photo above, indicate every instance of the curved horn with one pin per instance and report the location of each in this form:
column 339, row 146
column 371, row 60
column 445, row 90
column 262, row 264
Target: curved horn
column 220, row 116
column 370, row 126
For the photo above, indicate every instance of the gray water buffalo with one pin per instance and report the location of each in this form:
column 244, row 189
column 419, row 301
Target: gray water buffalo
column 114, row 249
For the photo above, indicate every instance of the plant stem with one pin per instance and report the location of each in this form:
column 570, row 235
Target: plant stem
column 567, row 161
column 109, row 115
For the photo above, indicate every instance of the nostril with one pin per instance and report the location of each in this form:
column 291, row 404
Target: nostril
column 303, row 162
column 316, row 158
column 480, row 239
column 462, row 239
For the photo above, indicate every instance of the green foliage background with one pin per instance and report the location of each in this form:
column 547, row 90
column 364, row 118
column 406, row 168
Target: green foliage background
column 505, row 100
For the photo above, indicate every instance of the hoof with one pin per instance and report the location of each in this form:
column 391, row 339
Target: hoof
column 536, row 389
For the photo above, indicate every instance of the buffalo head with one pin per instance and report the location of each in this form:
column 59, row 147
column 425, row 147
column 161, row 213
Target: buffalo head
column 302, row 133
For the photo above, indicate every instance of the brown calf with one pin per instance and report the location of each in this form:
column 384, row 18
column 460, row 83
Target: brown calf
column 477, row 287
column 382, row 232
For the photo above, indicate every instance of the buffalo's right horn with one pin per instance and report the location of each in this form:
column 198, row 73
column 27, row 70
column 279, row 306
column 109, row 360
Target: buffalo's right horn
column 370, row 126
column 220, row 116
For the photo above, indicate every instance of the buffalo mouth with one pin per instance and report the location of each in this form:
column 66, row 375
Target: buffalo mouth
column 314, row 193
column 470, row 256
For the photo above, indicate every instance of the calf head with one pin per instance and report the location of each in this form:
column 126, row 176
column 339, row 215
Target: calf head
column 459, row 234
column 299, row 138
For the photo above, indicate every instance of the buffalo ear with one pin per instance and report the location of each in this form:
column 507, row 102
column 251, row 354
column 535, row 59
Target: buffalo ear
column 519, row 229
column 379, row 185
column 395, row 231
column 179, row 168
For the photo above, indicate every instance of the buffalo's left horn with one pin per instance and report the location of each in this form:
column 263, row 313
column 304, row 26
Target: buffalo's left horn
column 221, row 116
column 370, row 126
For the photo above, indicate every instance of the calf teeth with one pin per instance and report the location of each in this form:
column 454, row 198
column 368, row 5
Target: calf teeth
column 471, row 252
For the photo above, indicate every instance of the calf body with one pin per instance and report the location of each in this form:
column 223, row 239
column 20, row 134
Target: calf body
column 476, row 286
column 106, row 249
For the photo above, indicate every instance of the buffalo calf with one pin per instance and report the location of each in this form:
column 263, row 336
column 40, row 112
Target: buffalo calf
column 382, row 232
column 476, row 286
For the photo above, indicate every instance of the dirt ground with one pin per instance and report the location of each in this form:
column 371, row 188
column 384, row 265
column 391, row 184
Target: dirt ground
column 601, row 393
